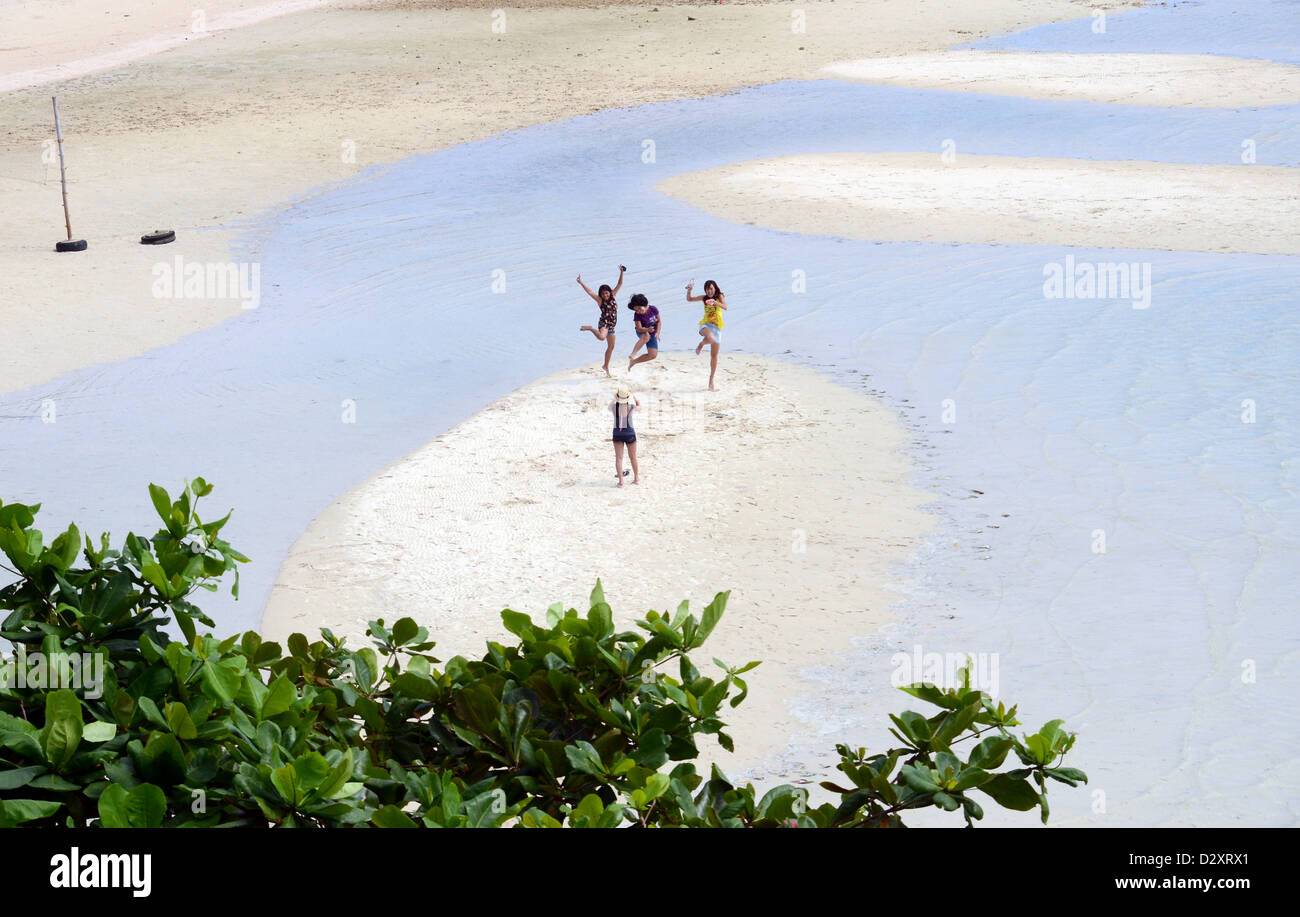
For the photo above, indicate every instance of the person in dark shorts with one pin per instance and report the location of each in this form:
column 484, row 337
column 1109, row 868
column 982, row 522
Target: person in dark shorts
column 604, row 296
column 623, row 405
column 647, row 324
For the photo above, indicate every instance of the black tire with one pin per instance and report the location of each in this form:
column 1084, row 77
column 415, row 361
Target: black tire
column 158, row 237
column 77, row 246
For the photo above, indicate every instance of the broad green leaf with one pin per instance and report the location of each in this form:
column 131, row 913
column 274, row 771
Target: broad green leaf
column 151, row 712
column 920, row 780
column 518, row 624
column 601, row 619
column 163, row 761
column 221, row 680
column 990, row 753
column 590, row 807
column 285, row 781
column 656, row 785
column 1011, row 793
column 1040, row 749
column 156, row 577
column 948, row 803
column 142, row 807
column 312, row 770
column 484, row 809
column 13, row 778
column 970, row 777
column 392, row 817
column 1070, row 776
column 98, row 731
column 62, row 732
column 338, row 776
column 22, row 743
column 53, row 782
column 146, row 805
column 112, row 807
column 10, row 723
column 404, row 631
column 712, row 615
column 281, row 696
column 162, row 503
column 17, row 811
column 180, row 722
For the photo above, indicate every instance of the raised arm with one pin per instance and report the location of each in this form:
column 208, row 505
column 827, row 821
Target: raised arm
column 689, row 298
column 618, row 286
column 588, row 289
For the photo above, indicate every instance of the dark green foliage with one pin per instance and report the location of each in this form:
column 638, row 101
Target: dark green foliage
column 575, row 724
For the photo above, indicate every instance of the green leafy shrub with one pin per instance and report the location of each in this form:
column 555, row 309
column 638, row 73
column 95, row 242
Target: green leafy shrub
column 575, row 724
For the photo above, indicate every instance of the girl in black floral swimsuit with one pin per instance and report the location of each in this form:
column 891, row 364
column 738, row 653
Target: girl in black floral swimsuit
column 604, row 331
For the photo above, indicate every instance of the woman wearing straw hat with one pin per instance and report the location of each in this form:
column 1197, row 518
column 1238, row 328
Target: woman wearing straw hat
column 623, row 405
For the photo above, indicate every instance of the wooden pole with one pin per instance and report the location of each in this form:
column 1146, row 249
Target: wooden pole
column 63, row 174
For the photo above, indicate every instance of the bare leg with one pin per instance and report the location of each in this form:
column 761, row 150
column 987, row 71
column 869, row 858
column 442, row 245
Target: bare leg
column 631, row 453
column 640, row 342
column 618, row 462
column 648, row 355
column 713, row 363
column 609, row 350
column 704, row 339
column 598, row 332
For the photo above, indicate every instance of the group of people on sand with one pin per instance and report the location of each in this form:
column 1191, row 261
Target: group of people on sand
column 649, row 326
column 649, row 323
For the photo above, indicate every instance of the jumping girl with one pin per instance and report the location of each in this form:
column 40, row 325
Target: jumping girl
column 647, row 323
column 711, row 324
column 604, row 331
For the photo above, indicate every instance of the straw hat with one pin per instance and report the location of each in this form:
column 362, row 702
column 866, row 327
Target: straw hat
column 623, row 395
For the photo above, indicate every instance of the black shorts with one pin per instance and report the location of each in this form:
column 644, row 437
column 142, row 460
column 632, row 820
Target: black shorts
column 625, row 435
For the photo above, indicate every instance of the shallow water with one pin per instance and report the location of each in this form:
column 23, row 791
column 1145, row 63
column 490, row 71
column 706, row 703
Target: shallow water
column 1258, row 28
column 1072, row 416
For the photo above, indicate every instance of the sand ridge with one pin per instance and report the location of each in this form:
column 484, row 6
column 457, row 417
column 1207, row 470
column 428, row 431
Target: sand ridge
column 761, row 488
column 1178, row 80
column 928, row 197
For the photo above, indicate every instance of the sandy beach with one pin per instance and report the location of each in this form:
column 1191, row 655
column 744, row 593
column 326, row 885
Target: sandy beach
column 910, row 444
column 197, row 132
column 761, row 488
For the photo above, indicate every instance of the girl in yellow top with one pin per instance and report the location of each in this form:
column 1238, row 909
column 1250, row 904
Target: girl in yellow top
column 711, row 324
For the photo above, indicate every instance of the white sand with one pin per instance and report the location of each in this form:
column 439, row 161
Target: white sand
column 211, row 132
column 1182, row 80
column 920, row 197
column 85, row 36
column 517, row 507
